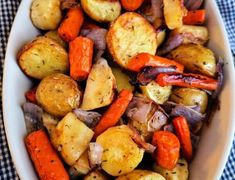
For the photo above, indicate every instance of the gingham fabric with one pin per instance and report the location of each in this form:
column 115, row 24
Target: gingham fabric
column 8, row 9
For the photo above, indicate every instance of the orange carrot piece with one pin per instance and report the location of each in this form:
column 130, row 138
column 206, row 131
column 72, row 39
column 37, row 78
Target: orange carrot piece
column 131, row 5
column 31, row 95
column 183, row 133
column 187, row 80
column 167, row 149
column 71, row 25
column 142, row 60
column 114, row 112
column 80, row 57
column 195, row 17
column 46, row 161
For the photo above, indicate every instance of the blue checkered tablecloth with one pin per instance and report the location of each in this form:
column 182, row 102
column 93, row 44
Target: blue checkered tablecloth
column 8, row 9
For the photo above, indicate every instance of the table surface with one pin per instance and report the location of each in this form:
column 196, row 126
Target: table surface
column 8, row 8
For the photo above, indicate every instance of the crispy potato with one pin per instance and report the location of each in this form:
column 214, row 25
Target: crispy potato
column 46, row 15
column 193, row 34
column 141, row 175
column 122, row 80
column 102, row 11
column 71, row 138
column 128, row 35
column 43, row 57
column 157, row 93
column 100, row 86
column 161, row 36
column 180, row 172
column 81, row 166
column 54, row 35
column 95, row 175
column 190, row 97
column 195, row 58
column 58, row 94
column 121, row 154
column 173, row 12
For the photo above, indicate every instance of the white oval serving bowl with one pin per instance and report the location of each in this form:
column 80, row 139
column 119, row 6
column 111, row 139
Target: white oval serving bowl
column 215, row 142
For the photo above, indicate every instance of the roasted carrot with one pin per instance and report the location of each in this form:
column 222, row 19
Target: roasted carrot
column 195, row 17
column 46, row 161
column 142, row 60
column 187, row 80
column 80, row 57
column 31, row 95
column 167, row 149
column 71, row 25
column 114, row 112
column 183, row 133
column 131, row 5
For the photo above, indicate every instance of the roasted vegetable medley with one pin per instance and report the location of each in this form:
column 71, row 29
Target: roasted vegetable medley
column 121, row 89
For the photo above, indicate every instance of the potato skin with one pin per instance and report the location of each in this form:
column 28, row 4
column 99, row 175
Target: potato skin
column 156, row 92
column 180, row 172
column 141, row 175
column 190, row 97
column 102, row 11
column 121, row 154
column 58, row 94
column 128, row 35
column 54, row 35
column 43, row 57
column 46, row 14
column 195, row 58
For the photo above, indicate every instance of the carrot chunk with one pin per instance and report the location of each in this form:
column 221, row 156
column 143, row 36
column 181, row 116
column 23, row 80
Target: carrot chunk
column 46, row 161
column 131, row 5
column 142, row 60
column 195, row 17
column 80, row 57
column 71, row 25
column 183, row 133
column 114, row 112
column 167, row 149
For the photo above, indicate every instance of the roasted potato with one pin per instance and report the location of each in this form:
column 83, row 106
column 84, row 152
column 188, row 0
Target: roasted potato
column 122, row 80
column 71, row 138
column 49, row 122
column 81, row 166
column 193, row 34
column 180, row 172
column 141, row 175
column 121, row 154
column 43, row 57
column 173, row 12
column 58, row 94
column 157, row 93
column 100, row 86
column 54, row 35
column 95, row 175
column 46, row 15
column 195, row 58
column 161, row 35
column 128, row 35
column 190, row 97
column 102, row 11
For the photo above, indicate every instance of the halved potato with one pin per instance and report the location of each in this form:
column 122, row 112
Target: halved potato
column 95, row 175
column 140, row 174
column 122, row 80
column 161, row 36
column 49, row 122
column 54, row 35
column 58, row 94
column 193, row 34
column 71, row 138
column 46, row 14
column 180, row 172
column 173, row 12
column 100, row 86
column 102, row 10
column 128, row 35
column 195, row 58
column 43, row 57
column 121, row 154
column 157, row 93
